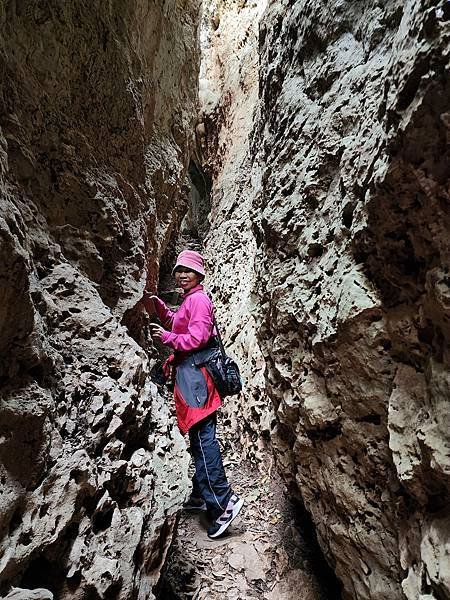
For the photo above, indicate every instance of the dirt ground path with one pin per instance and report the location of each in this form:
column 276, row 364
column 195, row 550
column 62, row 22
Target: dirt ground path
column 268, row 553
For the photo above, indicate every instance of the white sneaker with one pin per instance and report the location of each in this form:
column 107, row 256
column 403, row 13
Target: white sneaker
column 221, row 524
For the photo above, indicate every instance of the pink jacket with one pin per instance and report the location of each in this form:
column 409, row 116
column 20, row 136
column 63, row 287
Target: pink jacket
column 191, row 325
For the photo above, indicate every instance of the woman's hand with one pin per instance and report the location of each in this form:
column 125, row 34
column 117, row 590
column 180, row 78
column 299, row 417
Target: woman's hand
column 156, row 331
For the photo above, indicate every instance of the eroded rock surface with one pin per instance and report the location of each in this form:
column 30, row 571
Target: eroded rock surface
column 345, row 187
column 97, row 111
column 229, row 97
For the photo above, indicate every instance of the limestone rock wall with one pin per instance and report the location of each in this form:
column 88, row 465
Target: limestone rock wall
column 229, row 97
column 98, row 102
column 345, row 193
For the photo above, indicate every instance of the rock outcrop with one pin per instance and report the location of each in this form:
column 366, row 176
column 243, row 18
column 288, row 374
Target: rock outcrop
column 330, row 218
column 98, row 105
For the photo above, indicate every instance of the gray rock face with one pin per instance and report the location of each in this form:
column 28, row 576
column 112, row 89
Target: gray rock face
column 97, row 108
column 348, row 264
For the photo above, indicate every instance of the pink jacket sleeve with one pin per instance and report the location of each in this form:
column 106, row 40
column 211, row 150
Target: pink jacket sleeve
column 165, row 315
column 199, row 327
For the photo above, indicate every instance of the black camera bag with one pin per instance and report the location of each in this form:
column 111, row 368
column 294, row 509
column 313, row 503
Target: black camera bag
column 223, row 369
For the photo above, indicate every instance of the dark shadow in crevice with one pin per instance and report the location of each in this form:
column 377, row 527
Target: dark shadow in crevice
column 196, row 223
column 331, row 588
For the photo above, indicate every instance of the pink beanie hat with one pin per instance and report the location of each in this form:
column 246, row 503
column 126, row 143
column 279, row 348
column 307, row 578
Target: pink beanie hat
column 191, row 259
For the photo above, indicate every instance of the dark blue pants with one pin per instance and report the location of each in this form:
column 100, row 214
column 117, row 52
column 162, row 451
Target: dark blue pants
column 209, row 481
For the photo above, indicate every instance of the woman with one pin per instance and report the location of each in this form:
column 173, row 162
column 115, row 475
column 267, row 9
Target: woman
column 189, row 331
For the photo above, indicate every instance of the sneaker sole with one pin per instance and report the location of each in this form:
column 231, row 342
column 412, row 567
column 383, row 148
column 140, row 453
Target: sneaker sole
column 195, row 508
column 236, row 510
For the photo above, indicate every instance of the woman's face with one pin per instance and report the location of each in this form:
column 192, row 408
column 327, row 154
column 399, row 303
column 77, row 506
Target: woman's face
column 186, row 279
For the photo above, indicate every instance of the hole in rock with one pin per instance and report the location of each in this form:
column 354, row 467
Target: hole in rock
column 186, row 583
column 311, row 201
column 76, row 475
column 25, row 538
column 43, row 573
column 135, row 444
column 37, row 373
column 102, row 520
column 387, row 344
column 437, row 501
column 426, row 334
column 74, row 581
column 347, row 215
column 115, row 373
column 315, row 250
column 374, row 419
column 90, row 502
column 326, row 434
column 407, row 94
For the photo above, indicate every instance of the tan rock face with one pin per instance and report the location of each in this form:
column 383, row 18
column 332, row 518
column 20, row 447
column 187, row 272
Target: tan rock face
column 341, row 211
column 97, row 112
column 229, row 96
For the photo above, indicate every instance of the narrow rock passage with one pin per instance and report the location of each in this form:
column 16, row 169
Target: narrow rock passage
column 315, row 139
column 269, row 552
